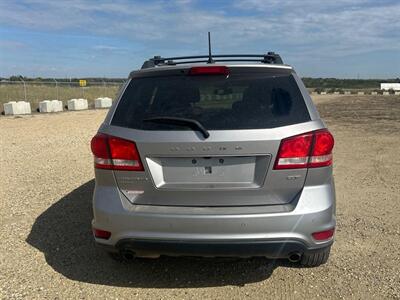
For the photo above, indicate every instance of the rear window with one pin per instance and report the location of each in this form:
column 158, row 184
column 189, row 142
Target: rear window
column 239, row 101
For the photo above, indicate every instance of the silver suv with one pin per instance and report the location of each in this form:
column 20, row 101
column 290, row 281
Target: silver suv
column 220, row 157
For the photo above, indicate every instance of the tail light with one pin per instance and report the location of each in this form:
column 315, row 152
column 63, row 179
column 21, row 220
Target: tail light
column 308, row 150
column 209, row 70
column 323, row 235
column 114, row 153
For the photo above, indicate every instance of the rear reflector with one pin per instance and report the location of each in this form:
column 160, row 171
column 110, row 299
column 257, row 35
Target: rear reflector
column 323, row 235
column 114, row 153
column 308, row 150
column 101, row 234
column 209, row 70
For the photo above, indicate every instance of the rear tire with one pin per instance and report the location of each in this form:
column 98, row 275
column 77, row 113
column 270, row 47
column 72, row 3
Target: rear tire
column 316, row 257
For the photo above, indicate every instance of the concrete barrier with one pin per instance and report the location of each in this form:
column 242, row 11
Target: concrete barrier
column 397, row 92
column 47, row 106
column 336, row 93
column 374, row 93
column 102, row 102
column 323, row 93
column 17, row 108
column 77, row 104
column 347, row 92
column 360, row 93
column 386, row 93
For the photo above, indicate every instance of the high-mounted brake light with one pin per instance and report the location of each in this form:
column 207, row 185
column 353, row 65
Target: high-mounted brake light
column 209, row 70
column 308, row 150
column 114, row 153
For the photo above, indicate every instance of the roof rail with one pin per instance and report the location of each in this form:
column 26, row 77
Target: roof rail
column 269, row 58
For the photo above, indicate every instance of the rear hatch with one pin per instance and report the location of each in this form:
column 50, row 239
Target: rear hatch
column 244, row 114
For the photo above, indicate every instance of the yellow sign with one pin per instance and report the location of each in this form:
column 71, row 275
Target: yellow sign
column 82, row 82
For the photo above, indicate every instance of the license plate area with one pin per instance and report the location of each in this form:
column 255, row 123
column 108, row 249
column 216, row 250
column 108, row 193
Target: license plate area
column 220, row 172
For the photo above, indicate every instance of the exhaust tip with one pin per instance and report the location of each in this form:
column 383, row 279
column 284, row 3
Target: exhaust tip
column 128, row 255
column 294, row 257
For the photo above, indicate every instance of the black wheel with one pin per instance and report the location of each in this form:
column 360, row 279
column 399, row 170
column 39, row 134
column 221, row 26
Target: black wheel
column 316, row 257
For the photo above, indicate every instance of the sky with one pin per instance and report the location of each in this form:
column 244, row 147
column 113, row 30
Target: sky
column 76, row 38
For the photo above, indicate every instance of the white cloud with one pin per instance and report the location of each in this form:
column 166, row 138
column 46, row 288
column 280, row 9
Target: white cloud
column 308, row 27
column 11, row 45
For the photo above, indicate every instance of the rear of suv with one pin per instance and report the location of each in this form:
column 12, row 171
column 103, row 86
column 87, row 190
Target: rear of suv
column 214, row 159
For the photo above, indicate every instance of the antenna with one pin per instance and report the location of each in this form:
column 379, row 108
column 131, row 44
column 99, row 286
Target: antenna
column 210, row 60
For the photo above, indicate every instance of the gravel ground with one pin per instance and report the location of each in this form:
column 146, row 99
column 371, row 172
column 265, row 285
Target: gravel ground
column 47, row 249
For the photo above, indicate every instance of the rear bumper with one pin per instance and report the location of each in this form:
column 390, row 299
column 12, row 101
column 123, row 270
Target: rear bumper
column 269, row 248
column 240, row 231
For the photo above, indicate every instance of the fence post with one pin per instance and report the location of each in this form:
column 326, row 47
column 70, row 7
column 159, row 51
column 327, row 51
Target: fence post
column 24, row 88
column 56, row 88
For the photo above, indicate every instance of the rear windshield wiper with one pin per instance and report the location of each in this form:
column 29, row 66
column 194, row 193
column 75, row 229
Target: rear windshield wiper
column 193, row 124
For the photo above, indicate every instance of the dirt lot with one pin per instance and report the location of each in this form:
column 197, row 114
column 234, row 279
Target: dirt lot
column 47, row 250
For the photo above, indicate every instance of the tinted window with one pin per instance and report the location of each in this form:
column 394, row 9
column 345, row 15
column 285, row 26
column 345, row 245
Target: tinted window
column 237, row 102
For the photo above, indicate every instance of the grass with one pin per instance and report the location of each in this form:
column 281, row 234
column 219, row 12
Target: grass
column 39, row 92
